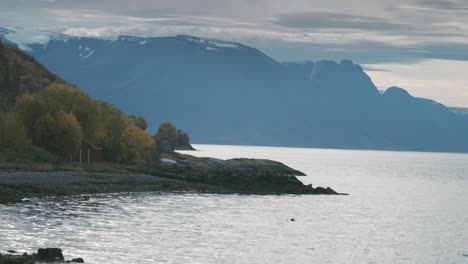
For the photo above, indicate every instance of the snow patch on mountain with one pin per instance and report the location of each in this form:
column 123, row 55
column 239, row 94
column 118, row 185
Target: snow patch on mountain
column 88, row 55
column 222, row 44
column 214, row 43
column 25, row 36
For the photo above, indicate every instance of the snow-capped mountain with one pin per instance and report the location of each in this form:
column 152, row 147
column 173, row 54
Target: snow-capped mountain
column 24, row 36
column 230, row 93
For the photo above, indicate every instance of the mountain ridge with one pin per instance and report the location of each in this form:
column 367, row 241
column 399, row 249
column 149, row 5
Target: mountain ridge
column 229, row 93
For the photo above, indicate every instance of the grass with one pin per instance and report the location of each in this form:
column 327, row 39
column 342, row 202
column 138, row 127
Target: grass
column 36, row 159
column 104, row 167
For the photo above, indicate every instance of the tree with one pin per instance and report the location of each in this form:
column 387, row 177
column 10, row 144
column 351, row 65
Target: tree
column 114, row 122
column 182, row 138
column 135, row 144
column 58, row 133
column 167, row 136
column 139, row 121
column 71, row 99
column 154, row 154
column 13, row 134
column 30, row 108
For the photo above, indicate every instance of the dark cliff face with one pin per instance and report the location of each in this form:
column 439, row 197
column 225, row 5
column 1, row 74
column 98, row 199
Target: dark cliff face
column 229, row 93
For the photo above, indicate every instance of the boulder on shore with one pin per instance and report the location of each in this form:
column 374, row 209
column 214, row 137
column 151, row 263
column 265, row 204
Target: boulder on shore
column 50, row 254
column 43, row 255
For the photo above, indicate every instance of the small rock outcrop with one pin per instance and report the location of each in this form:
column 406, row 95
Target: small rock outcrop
column 249, row 176
column 50, row 254
column 43, row 255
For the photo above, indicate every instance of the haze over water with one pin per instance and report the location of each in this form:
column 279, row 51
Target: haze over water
column 404, row 207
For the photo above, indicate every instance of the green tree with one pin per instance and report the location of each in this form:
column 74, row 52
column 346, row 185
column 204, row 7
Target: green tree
column 167, row 136
column 58, row 133
column 71, row 99
column 30, row 108
column 114, row 123
column 13, row 134
column 183, row 138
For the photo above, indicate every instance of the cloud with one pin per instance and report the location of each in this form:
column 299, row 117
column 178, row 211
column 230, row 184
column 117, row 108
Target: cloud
column 327, row 20
column 441, row 80
column 290, row 30
column 368, row 68
column 444, row 5
column 400, row 42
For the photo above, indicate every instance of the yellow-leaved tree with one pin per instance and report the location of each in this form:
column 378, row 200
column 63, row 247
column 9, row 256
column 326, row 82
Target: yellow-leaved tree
column 135, row 144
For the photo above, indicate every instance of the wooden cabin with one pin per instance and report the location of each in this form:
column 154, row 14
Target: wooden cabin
column 88, row 153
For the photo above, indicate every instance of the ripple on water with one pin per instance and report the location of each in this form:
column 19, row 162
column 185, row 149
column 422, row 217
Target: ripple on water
column 396, row 213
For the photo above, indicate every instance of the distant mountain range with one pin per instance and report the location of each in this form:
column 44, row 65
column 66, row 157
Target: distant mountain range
column 228, row 93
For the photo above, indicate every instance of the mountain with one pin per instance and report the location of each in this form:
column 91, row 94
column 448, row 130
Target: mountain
column 229, row 93
column 459, row 111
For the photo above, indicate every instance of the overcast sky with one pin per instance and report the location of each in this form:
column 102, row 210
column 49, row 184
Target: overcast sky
column 420, row 45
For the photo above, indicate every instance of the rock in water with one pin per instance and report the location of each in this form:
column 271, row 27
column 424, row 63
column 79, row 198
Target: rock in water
column 50, row 254
column 77, row 260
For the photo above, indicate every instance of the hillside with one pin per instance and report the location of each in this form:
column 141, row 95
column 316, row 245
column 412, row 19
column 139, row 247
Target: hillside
column 45, row 119
column 20, row 73
column 229, row 93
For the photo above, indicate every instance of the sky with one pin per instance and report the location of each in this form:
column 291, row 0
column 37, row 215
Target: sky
column 419, row 45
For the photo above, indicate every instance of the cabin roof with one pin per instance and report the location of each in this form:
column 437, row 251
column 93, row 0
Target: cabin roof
column 92, row 144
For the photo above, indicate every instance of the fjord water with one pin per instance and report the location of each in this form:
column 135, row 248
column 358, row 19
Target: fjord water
column 403, row 207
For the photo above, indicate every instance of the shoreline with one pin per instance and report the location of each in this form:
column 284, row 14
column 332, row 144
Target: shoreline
column 17, row 185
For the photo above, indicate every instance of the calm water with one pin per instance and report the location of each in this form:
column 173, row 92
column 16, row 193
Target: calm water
column 403, row 208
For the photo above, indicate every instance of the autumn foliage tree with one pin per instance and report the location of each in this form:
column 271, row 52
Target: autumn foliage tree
column 54, row 115
column 135, row 144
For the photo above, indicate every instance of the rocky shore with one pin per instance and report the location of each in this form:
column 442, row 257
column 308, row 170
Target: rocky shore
column 181, row 174
column 43, row 255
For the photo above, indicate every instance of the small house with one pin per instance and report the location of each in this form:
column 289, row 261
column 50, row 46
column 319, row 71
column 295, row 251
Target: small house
column 88, row 153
